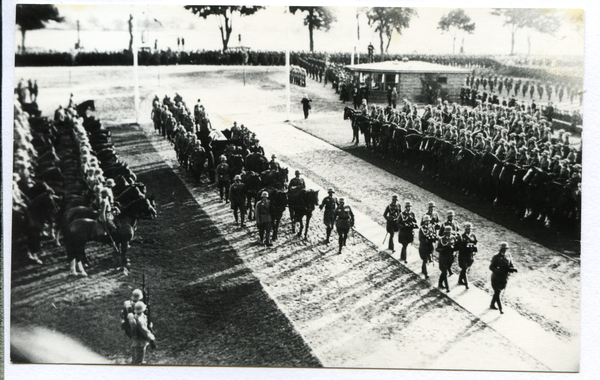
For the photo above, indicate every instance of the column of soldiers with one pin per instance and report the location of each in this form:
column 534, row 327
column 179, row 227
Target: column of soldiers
column 489, row 89
column 297, row 76
column 450, row 242
column 453, row 144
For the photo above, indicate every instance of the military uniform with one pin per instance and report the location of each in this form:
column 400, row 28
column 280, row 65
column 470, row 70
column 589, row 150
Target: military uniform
column 263, row 220
column 466, row 253
column 344, row 220
column 501, row 266
column 330, row 203
column 427, row 239
column 392, row 215
column 297, row 183
column 407, row 224
column 141, row 337
column 237, row 195
column 222, row 172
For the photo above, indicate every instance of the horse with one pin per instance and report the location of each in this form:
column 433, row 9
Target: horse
column 256, row 162
column 28, row 224
column 302, row 202
column 81, row 231
column 274, row 178
column 83, row 107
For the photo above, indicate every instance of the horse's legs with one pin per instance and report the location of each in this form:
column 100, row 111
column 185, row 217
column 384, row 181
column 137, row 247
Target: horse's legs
column 292, row 217
column 301, row 225
column 307, row 224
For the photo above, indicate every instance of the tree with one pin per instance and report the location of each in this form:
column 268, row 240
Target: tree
column 224, row 15
column 454, row 22
column 540, row 20
column 386, row 20
column 35, row 16
column 319, row 18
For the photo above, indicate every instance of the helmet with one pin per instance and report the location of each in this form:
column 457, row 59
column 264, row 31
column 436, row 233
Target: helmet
column 139, row 307
column 265, row 194
column 273, row 156
column 431, row 204
column 330, row 190
column 450, row 213
column 468, row 225
column 394, row 196
column 426, row 218
column 110, row 182
column 407, row 203
column 223, row 158
column 137, row 295
column 298, row 172
column 237, row 177
column 504, row 245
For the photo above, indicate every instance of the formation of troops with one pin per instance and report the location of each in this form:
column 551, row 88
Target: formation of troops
column 298, row 75
column 505, row 154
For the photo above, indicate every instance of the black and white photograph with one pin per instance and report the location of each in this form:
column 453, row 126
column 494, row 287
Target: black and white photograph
column 299, row 190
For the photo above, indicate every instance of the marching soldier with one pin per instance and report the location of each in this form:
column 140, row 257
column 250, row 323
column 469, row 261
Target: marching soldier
column 392, row 216
column 237, row 195
column 297, row 182
column 330, row 203
column 222, row 174
column 446, row 247
column 501, row 266
column 427, row 239
column 344, row 220
column 407, row 224
column 141, row 336
column 433, row 215
column 263, row 219
column 127, row 311
column 450, row 222
column 467, row 248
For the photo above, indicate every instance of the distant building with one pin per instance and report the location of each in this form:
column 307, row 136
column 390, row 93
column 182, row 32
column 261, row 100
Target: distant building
column 411, row 79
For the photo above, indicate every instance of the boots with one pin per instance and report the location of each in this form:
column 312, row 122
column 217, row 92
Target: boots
column 73, row 271
column 80, row 267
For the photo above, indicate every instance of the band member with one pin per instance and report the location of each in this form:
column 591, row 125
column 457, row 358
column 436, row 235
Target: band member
column 392, row 216
column 427, row 239
column 344, row 220
column 501, row 266
column 467, row 248
column 407, row 223
column 330, row 204
column 433, row 215
column 445, row 248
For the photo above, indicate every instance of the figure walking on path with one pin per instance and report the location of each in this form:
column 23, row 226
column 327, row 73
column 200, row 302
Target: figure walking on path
column 501, row 266
column 306, row 105
column 330, row 204
column 392, row 215
column 344, row 220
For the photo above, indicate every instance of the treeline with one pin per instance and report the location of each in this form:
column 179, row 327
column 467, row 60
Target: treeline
column 478, row 63
column 146, row 58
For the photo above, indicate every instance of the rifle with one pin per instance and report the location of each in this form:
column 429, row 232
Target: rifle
column 146, row 292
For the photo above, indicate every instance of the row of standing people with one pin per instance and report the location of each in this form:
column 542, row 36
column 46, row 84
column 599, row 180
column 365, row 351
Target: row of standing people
column 445, row 238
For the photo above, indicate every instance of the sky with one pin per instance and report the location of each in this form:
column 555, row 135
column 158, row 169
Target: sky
column 105, row 28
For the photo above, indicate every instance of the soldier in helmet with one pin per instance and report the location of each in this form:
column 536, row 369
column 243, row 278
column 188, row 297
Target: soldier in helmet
column 141, row 336
column 392, row 215
column 467, row 248
column 343, row 218
column 237, row 195
column 449, row 222
column 501, row 266
column 222, row 176
column 407, row 224
column 127, row 310
column 446, row 248
column 263, row 219
column 273, row 164
column 427, row 239
column 329, row 203
column 434, row 217
column 297, row 182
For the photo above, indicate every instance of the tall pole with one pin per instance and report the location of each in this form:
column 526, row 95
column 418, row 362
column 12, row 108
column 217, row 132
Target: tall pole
column 287, row 70
column 136, row 85
column 357, row 38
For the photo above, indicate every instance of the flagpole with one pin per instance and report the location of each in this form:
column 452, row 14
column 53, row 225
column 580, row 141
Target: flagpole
column 136, row 84
column 287, row 70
